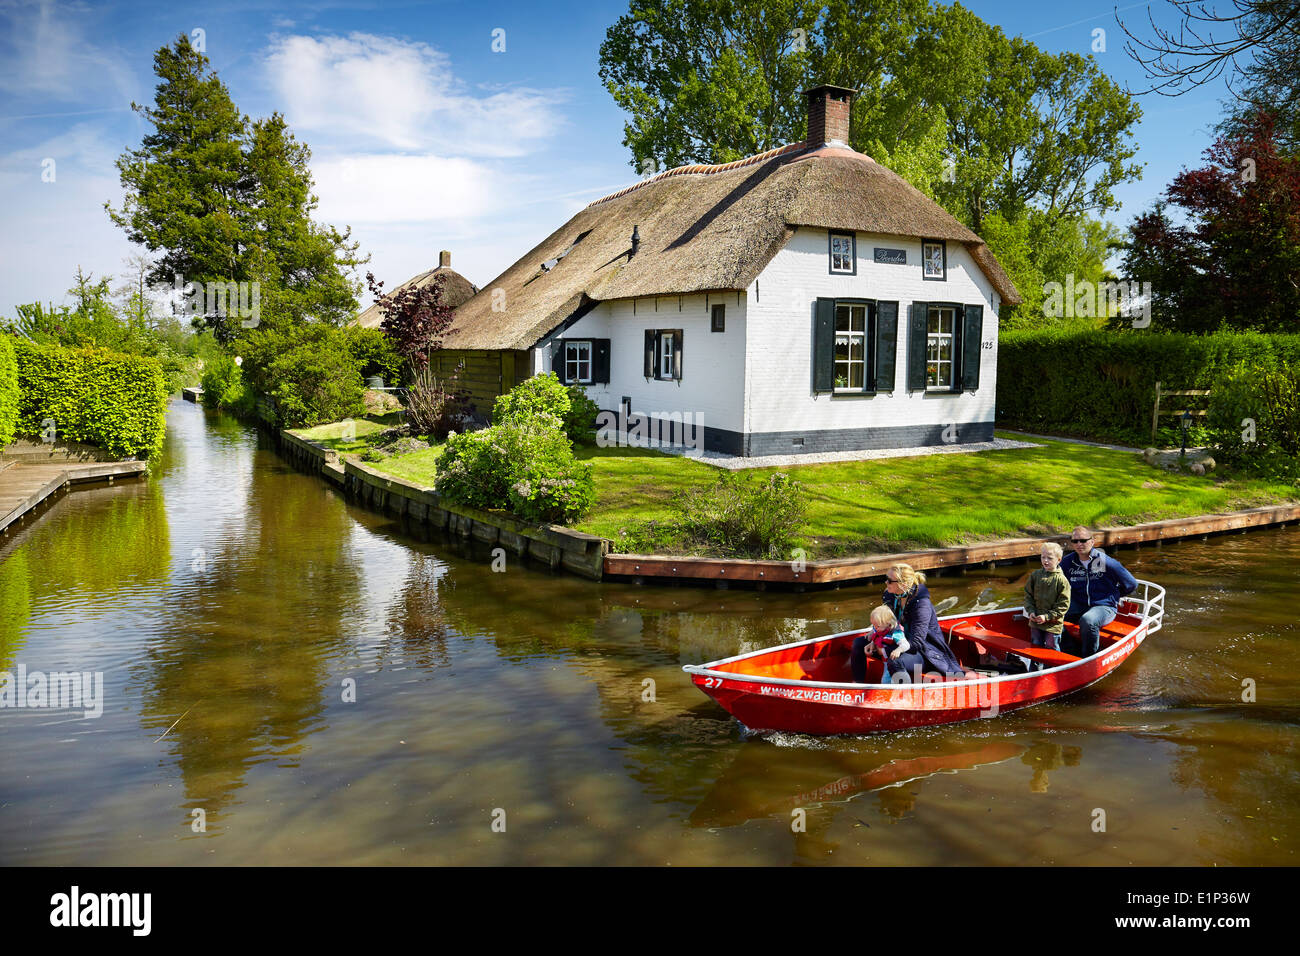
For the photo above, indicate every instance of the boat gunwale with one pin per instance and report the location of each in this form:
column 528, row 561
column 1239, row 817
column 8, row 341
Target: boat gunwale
column 1139, row 633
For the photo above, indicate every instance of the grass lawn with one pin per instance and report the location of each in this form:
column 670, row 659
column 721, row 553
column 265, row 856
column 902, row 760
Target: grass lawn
column 331, row 435
column 419, row 467
column 897, row 504
column 930, row 501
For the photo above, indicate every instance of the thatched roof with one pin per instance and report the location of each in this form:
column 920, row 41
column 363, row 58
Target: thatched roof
column 701, row 228
column 456, row 290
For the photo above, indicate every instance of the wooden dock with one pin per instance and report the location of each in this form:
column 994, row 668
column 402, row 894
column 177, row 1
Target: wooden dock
column 720, row 572
column 25, row 485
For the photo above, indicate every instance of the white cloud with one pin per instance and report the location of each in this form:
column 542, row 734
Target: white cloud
column 403, row 95
column 47, row 53
column 397, row 188
column 58, row 225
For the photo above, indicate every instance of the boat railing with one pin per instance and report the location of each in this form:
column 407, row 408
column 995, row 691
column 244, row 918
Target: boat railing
column 1148, row 602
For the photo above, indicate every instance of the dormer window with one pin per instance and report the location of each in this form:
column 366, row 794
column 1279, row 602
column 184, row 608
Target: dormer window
column 934, row 260
column 844, row 259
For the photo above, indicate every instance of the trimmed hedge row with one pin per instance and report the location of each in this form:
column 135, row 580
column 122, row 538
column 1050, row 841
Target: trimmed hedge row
column 1102, row 385
column 103, row 398
column 8, row 391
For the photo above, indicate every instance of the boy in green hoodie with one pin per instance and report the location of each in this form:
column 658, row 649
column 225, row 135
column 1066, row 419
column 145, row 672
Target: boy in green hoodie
column 1047, row 598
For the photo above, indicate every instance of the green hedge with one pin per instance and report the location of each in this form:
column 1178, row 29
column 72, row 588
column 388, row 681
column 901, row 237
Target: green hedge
column 115, row 401
column 1101, row 385
column 8, row 390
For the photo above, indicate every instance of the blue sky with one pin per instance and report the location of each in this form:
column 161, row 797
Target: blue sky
column 423, row 138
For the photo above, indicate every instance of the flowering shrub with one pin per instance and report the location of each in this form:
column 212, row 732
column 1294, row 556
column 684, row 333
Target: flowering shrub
column 522, row 466
column 544, row 396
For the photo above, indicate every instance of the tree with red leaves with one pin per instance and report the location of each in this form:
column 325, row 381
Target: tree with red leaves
column 415, row 318
column 1235, row 262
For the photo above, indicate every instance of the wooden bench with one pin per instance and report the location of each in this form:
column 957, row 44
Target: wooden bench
column 985, row 638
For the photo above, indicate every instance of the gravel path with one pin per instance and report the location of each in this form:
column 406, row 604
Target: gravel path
column 737, row 463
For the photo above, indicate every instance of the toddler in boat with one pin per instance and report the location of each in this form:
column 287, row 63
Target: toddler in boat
column 887, row 641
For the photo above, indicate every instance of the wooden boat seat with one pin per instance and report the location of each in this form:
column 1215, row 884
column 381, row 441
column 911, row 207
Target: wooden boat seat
column 1110, row 634
column 985, row 638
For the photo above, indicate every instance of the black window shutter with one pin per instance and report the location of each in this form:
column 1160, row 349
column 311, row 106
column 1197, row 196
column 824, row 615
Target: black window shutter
column 677, row 354
column 651, row 352
column 557, row 358
column 972, row 335
column 886, row 345
column 824, row 346
column 600, row 360
column 916, row 346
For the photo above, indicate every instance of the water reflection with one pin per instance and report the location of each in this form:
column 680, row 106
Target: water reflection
column 229, row 599
column 240, row 668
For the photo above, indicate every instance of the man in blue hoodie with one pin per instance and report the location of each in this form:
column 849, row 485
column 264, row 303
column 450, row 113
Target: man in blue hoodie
column 1097, row 582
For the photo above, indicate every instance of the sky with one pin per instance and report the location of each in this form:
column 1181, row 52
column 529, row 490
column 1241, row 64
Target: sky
column 423, row 136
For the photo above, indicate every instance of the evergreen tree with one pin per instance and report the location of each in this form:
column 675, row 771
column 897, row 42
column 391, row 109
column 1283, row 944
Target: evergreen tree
column 225, row 200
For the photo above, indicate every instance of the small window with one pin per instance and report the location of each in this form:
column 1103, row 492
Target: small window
column 719, row 319
column 934, row 261
column 844, row 253
column 577, row 362
column 941, row 347
column 850, row 347
column 666, row 355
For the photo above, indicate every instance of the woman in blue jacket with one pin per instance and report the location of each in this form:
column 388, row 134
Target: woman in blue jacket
column 908, row 597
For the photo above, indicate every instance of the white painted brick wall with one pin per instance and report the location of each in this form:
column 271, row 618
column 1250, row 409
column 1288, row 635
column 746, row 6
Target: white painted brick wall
column 712, row 382
column 780, row 325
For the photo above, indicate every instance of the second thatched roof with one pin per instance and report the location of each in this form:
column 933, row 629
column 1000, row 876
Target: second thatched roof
column 702, row 229
column 456, row 290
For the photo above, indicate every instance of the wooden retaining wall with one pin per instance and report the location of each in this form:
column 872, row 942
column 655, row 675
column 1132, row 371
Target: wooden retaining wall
column 837, row 571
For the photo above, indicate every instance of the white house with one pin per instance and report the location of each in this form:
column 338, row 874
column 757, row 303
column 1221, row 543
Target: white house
column 803, row 300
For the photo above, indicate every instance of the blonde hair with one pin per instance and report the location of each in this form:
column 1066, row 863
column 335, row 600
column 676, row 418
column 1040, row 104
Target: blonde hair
column 883, row 617
column 907, row 575
column 1054, row 549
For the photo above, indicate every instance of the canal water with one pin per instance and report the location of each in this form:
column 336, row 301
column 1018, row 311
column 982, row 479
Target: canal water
column 288, row 679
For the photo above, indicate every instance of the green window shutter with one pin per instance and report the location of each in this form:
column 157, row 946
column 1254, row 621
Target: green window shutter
column 916, row 346
column 972, row 341
column 677, row 354
column 651, row 352
column 886, row 345
column 557, row 358
column 824, row 346
column 600, row 361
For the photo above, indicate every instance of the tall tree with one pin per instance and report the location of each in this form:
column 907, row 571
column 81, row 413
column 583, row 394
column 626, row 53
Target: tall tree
column 1236, row 259
column 708, row 82
column 225, row 200
column 983, row 123
column 1212, row 40
column 187, row 184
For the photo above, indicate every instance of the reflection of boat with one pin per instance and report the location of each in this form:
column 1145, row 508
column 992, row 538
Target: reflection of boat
column 725, row 804
column 807, row 688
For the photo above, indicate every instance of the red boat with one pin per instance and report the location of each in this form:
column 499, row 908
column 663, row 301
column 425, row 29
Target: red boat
column 807, row 687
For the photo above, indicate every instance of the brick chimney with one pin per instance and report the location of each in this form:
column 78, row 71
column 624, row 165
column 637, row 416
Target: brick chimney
column 828, row 115
column 444, row 259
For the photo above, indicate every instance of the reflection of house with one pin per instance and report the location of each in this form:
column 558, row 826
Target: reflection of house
column 806, row 299
column 456, row 289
